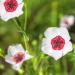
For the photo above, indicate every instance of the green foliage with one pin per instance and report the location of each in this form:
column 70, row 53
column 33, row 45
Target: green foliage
column 41, row 14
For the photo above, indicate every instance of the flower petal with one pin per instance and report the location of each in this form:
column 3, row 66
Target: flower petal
column 67, row 21
column 13, row 49
column 19, row 1
column 9, row 60
column 67, row 48
column 54, row 31
column 57, row 54
column 46, row 46
column 27, row 56
column 16, row 66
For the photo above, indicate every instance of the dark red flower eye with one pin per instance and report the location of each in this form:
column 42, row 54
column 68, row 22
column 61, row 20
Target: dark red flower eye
column 10, row 5
column 66, row 22
column 57, row 43
column 18, row 57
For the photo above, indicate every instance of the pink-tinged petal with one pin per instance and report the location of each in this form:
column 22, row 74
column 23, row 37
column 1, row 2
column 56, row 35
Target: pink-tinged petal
column 27, row 56
column 16, row 66
column 13, row 49
column 52, row 32
column 46, row 46
column 67, row 21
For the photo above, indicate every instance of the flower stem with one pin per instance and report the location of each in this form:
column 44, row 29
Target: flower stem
column 17, row 25
column 25, row 39
column 64, row 66
column 25, row 24
column 2, row 56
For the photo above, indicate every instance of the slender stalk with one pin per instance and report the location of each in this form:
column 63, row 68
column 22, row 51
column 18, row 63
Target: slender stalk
column 25, row 24
column 17, row 25
column 25, row 38
column 25, row 41
column 2, row 56
column 64, row 66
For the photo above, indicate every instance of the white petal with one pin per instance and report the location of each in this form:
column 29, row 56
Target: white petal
column 46, row 46
column 64, row 33
column 54, row 31
column 67, row 48
column 19, row 47
column 8, row 15
column 27, row 56
column 2, row 1
column 13, row 49
column 16, row 66
column 8, row 59
column 69, row 19
column 2, row 8
column 19, row 1
column 57, row 54
column 51, row 32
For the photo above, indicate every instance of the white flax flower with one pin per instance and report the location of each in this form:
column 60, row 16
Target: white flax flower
column 10, row 9
column 56, row 42
column 16, row 56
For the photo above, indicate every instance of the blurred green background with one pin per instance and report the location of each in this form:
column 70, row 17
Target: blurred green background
column 41, row 15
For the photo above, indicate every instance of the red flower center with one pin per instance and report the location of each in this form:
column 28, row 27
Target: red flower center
column 57, row 43
column 10, row 5
column 18, row 57
column 66, row 22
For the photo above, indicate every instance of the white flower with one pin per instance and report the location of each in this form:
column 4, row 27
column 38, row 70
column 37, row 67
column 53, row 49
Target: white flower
column 16, row 56
column 56, row 42
column 10, row 9
column 67, row 21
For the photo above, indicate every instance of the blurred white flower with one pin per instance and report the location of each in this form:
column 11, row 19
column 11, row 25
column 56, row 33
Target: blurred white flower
column 10, row 9
column 67, row 21
column 16, row 56
column 56, row 42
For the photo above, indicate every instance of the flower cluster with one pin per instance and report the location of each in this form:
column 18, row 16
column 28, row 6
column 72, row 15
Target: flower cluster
column 10, row 9
column 56, row 42
column 57, row 39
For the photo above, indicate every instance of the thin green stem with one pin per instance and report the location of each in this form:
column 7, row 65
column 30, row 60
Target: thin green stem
column 17, row 25
column 25, row 24
column 2, row 56
column 25, row 38
column 64, row 66
column 25, row 41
